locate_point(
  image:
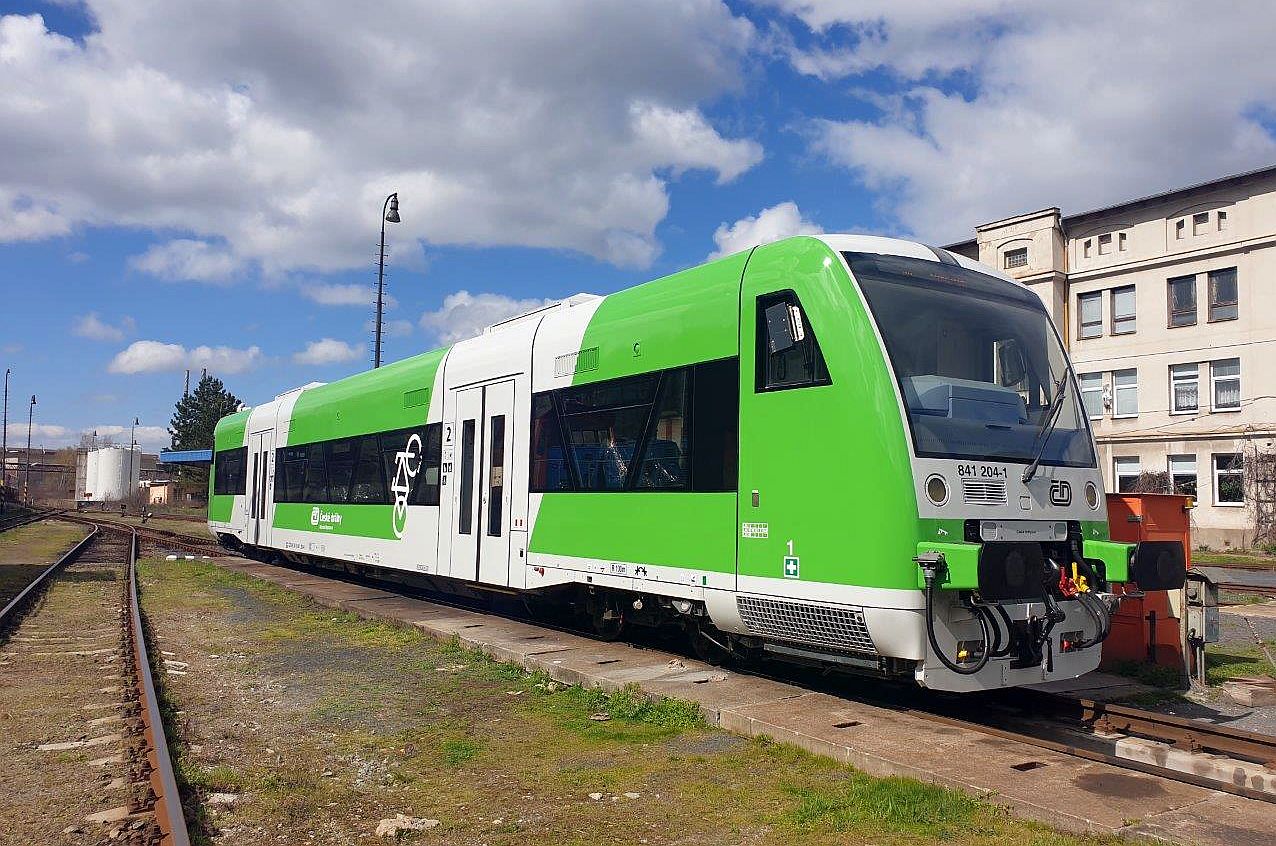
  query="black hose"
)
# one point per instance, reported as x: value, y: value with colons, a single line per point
x: 934, y: 644
x: 1009, y: 646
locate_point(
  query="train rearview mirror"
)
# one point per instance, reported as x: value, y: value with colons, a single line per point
x: 1010, y: 364
x: 783, y: 327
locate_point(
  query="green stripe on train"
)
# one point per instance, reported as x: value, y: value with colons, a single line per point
x: 365, y: 521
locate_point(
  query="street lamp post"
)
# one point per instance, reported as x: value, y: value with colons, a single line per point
x: 4, y: 442
x: 26, y: 483
x: 390, y: 213
x: 132, y: 446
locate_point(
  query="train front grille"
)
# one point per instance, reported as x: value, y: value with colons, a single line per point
x: 983, y: 491
x: 817, y: 625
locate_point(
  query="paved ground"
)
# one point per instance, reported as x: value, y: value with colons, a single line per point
x: 1061, y: 790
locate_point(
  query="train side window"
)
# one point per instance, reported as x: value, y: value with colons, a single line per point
x: 290, y: 474
x: 605, y: 422
x: 549, y: 460
x: 715, y: 413
x: 666, y: 451
x: 340, y: 458
x: 229, y: 472
x: 315, y: 486
x: 425, y: 487
x: 788, y: 354
x: 367, y: 486
x: 496, y: 476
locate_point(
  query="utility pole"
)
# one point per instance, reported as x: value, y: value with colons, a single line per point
x: 132, y: 444
x: 27, y: 480
x: 389, y: 213
x: 4, y: 442
x: 186, y: 391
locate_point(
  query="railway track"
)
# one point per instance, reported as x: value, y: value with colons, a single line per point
x: 1053, y: 719
x: 174, y: 540
x: 84, y: 731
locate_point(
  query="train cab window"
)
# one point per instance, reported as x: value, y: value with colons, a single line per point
x: 367, y: 485
x: 788, y: 354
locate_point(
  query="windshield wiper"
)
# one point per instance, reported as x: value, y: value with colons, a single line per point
x: 1047, y: 426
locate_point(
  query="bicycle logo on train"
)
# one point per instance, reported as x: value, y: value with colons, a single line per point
x: 407, y: 463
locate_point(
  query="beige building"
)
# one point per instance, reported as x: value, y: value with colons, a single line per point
x: 1168, y: 307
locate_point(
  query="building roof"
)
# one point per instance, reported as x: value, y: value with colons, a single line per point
x: 1073, y: 219
x: 186, y: 456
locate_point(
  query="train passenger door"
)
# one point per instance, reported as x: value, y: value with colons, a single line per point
x: 481, y: 498
x: 261, y: 482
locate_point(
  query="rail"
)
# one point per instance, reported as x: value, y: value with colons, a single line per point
x: 168, y: 802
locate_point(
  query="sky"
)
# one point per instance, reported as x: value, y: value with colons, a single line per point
x: 199, y: 185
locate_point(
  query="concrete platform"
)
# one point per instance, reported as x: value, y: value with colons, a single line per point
x: 1067, y: 792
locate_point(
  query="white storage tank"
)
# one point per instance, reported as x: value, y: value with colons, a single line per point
x: 112, y: 474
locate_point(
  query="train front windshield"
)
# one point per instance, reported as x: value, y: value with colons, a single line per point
x: 977, y: 362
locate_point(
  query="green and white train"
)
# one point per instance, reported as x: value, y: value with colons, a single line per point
x: 849, y: 450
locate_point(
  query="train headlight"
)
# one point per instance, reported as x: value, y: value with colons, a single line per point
x: 936, y: 489
x: 1091, y: 496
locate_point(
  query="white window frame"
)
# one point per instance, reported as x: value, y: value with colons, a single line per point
x: 1214, y: 457
x: 1117, y: 475
x: 1195, y: 473
x: 1116, y: 393
x: 1214, y: 380
x: 1008, y: 264
x: 1175, y: 380
x: 1094, y: 389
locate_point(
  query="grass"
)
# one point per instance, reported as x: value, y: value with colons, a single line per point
x: 1166, y: 678
x: 326, y: 722
x: 39, y: 543
x: 1230, y: 661
x: 1224, y: 558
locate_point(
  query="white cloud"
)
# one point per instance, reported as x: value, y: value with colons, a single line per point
x: 95, y: 329
x: 1003, y: 107
x: 782, y: 220
x: 40, y: 433
x: 188, y: 260
x: 464, y: 315
x: 159, y: 357
x: 278, y: 134
x: 360, y: 295
x: 148, y: 437
x: 328, y: 351
x: 398, y: 328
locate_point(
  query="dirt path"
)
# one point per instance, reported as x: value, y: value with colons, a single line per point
x: 302, y: 725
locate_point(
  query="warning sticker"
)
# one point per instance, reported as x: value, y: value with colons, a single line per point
x: 753, y: 530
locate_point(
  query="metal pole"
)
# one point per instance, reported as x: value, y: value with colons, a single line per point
x: 4, y: 442
x: 376, y: 356
x: 132, y: 442
x: 27, y: 479
x: 389, y: 212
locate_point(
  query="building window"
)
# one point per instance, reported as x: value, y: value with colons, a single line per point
x: 1090, y: 315
x: 1085, y: 249
x: 1222, y: 221
x: 1121, y: 242
x: 1105, y: 244
x: 1182, y: 295
x: 1200, y: 223
x: 1123, y: 310
x: 1126, y: 469
x: 1092, y: 394
x: 1185, y: 388
x: 1225, y: 382
x: 1183, y: 475
x: 1017, y: 257
x: 1125, y: 391
x: 1223, y: 299
x: 1180, y: 228
x: 1229, y: 479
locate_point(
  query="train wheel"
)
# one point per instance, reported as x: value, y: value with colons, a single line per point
x: 606, y: 623
x: 705, y: 646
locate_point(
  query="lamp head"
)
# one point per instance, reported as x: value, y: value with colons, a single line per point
x: 392, y: 216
